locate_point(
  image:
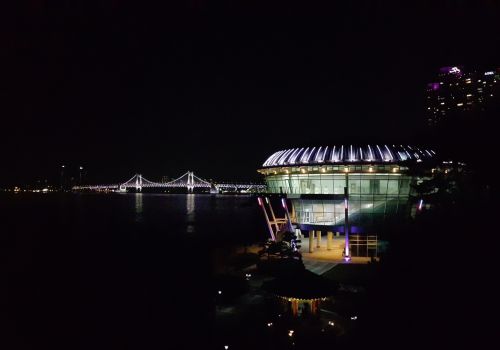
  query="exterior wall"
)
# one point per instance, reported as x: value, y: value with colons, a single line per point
x: 363, y: 210
x: 318, y: 199
x: 359, y: 184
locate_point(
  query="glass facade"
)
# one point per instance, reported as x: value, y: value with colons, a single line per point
x: 375, y: 192
x: 359, y: 184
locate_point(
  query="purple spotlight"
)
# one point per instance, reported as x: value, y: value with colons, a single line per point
x: 433, y: 86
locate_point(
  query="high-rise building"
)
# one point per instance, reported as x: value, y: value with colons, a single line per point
x: 458, y: 93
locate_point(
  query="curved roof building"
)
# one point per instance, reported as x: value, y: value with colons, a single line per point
x: 348, y: 154
x: 378, y: 178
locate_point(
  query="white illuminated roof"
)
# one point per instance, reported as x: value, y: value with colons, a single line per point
x: 348, y: 154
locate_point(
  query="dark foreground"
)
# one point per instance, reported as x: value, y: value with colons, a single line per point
x: 107, y: 273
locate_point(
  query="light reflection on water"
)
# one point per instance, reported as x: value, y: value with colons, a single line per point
x: 138, y: 207
x: 217, y: 218
x: 92, y: 252
x: 190, y: 212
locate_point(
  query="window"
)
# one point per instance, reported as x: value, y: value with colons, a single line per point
x: 365, y: 186
x: 327, y: 184
x: 375, y: 186
x: 338, y: 185
x: 392, y: 187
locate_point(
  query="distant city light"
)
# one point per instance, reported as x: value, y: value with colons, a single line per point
x: 489, y: 73
x: 354, y: 318
x: 454, y: 70
x: 220, y: 292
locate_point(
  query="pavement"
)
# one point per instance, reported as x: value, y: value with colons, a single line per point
x: 321, y: 254
x: 318, y: 267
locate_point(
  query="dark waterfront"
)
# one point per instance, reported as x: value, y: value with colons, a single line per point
x: 124, y: 271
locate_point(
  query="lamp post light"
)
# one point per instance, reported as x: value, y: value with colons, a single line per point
x: 81, y: 175
x: 347, y: 255
x: 62, y: 177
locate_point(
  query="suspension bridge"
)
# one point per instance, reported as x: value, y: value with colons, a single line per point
x: 188, y: 180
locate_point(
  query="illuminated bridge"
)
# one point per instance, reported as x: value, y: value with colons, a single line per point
x: 189, y: 181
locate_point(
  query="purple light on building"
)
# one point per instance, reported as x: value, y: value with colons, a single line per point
x: 451, y: 70
x: 433, y: 86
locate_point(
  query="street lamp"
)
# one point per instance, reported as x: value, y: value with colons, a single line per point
x: 347, y: 255
x: 81, y: 172
x: 62, y: 177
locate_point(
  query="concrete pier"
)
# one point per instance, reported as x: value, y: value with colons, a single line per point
x: 318, y: 239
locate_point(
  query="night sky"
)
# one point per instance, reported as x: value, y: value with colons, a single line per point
x: 123, y: 87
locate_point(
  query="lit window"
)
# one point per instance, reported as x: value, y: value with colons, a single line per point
x: 460, y: 104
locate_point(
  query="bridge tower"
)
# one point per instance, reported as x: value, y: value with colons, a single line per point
x: 138, y: 182
x: 190, y: 181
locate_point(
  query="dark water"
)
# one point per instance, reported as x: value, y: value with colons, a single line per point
x: 124, y: 271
